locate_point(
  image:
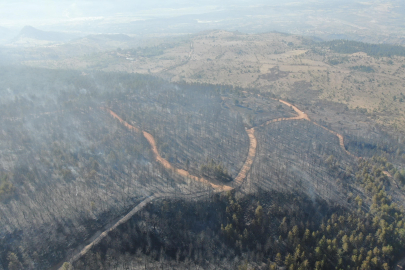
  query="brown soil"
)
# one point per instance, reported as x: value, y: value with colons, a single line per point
x: 249, y: 160
x: 121, y: 120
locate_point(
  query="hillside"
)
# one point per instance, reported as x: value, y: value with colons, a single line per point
x: 216, y: 150
x: 79, y: 151
x: 312, y: 74
x: 30, y: 36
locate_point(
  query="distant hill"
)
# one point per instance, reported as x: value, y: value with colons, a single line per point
x: 31, y: 33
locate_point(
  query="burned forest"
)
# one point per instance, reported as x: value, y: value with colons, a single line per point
x: 127, y: 171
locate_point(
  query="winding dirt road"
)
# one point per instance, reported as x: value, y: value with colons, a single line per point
x: 217, y: 186
x: 302, y: 115
x: 166, y: 163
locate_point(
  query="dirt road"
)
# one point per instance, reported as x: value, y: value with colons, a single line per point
x: 166, y: 163
x: 169, y: 166
x: 113, y: 114
x: 124, y: 219
x: 253, y: 143
x: 121, y: 221
x: 303, y: 115
x: 181, y: 172
x: 341, y: 139
x: 237, y: 181
x: 249, y: 159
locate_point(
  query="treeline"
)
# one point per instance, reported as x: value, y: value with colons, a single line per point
x: 378, y: 50
x: 216, y: 171
x: 376, y: 142
x: 267, y: 229
x: 225, y: 231
x: 367, y: 69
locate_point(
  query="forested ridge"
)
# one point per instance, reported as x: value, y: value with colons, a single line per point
x: 378, y: 50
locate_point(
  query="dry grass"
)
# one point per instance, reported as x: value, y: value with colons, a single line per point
x: 269, y: 62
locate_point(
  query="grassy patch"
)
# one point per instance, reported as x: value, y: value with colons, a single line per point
x: 362, y: 68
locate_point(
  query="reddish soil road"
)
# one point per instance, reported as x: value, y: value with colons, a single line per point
x: 249, y: 160
x: 166, y: 163
x: 217, y: 186
x: 302, y: 115
x: 239, y: 178
x: 181, y: 172
x: 121, y: 121
x: 341, y: 139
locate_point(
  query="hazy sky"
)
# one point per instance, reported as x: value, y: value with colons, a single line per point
x: 307, y: 17
x: 14, y: 14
